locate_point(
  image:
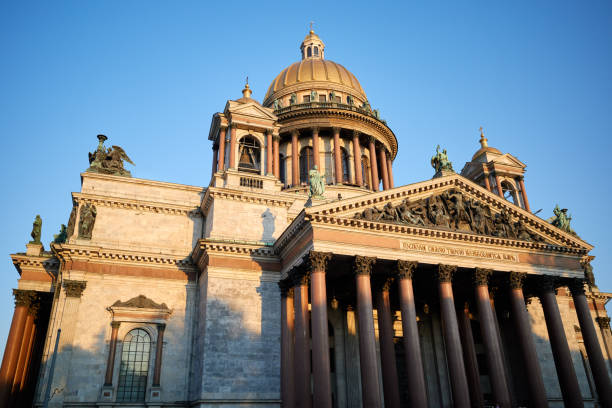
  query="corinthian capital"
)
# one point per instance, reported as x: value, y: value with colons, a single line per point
x: 405, y: 269
x: 481, y: 276
x: 604, y: 322
x: 517, y: 279
x: 300, y: 275
x: 74, y: 288
x: 547, y: 283
x: 576, y: 286
x: 318, y: 260
x: 445, y: 272
x: 24, y: 297
x: 363, y: 265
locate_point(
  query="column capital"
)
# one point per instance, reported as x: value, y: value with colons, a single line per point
x: 576, y: 286
x: 315, y: 129
x: 74, y: 288
x: 372, y: 139
x: 385, y: 285
x: 356, y: 133
x: 276, y: 137
x: 300, y: 275
x: 318, y: 260
x: 286, y: 287
x: 445, y: 272
x: 547, y: 283
x: 295, y: 132
x: 405, y: 269
x: 517, y: 279
x: 604, y: 322
x: 481, y: 276
x: 24, y: 297
x: 161, y: 327
x: 363, y: 265
x: 520, y: 178
x: 115, y: 324
x: 336, y: 129
x: 233, y: 126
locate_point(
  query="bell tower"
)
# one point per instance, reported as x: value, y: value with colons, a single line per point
x: 500, y: 173
x: 312, y: 46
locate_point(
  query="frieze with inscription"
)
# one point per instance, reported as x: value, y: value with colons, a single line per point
x: 451, y: 210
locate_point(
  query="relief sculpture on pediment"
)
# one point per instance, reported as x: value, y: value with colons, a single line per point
x: 454, y: 211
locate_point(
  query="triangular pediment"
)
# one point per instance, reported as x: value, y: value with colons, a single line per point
x: 509, y: 160
x: 252, y: 109
x: 453, y: 204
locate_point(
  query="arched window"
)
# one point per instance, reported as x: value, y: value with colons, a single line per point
x: 134, y: 366
x: 306, y: 163
x: 282, y: 171
x: 345, y: 166
x: 365, y: 171
x: 309, y: 53
x: 316, y: 51
x: 249, y: 154
x: 509, y: 192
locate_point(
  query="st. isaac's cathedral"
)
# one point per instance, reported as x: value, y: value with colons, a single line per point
x: 301, y: 276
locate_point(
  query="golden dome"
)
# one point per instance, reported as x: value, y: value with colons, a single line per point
x: 316, y: 73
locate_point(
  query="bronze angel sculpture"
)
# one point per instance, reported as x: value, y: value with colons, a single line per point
x: 108, y: 161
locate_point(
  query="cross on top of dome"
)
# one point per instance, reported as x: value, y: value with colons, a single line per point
x: 312, y: 46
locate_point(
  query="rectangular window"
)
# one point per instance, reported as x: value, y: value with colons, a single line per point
x: 322, y: 98
x: 337, y: 99
x: 306, y: 98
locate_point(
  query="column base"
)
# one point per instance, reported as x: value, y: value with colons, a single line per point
x: 107, y: 394
x: 155, y: 394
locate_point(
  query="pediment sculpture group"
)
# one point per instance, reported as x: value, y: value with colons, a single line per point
x: 451, y: 210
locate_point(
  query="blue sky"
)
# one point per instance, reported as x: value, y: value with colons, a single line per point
x: 535, y: 75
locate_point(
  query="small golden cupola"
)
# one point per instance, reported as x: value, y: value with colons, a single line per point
x: 312, y: 46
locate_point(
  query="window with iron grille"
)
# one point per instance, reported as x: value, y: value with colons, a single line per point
x: 134, y: 366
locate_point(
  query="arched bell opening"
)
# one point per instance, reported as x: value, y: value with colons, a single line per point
x: 249, y: 154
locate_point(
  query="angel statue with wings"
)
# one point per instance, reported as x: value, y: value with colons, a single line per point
x: 108, y: 161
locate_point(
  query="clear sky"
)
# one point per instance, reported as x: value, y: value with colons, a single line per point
x: 536, y: 75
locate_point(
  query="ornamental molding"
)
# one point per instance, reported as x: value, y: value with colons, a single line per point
x: 253, y: 251
x: 74, y: 252
x: 139, y: 308
x: 46, y: 264
x: 136, y: 205
x: 284, y: 201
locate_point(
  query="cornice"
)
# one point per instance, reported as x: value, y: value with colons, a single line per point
x: 290, y: 232
x: 206, y: 247
x: 22, y: 261
x: 75, y: 252
x: 238, y: 195
x: 151, y: 183
x: 310, y: 112
x: 136, y: 205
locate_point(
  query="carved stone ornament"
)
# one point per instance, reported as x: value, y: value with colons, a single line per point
x: 87, y: 220
x: 115, y: 324
x: 318, y: 260
x: 481, y: 276
x: 300, y: 275
x: 517, y: 279
x: 74, y: 288
x: 286, y: 287
x: 604, y: 322
x: 548, y: 284
x: 24, y: 297
x: 405, y: 269
x: 363, y: 265
x: 576, y: 286
x: 386, y: 284
x: 140, y: 302
x: 445, y: 273
x: 451, y: 210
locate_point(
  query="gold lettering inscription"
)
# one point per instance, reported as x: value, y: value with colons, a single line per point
x: 474, y: 253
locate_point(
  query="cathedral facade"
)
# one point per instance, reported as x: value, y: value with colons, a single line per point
x: 301, y: 276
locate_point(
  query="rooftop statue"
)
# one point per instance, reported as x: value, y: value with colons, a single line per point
x: 108, y: 161
x: 62, y: 236
x: 440, y: 161
x: 561, y: 220
x: 316, y: 182
x: 36, y: 230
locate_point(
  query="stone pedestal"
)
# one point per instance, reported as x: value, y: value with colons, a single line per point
x: 34, y: 249
x: 107, y: 395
